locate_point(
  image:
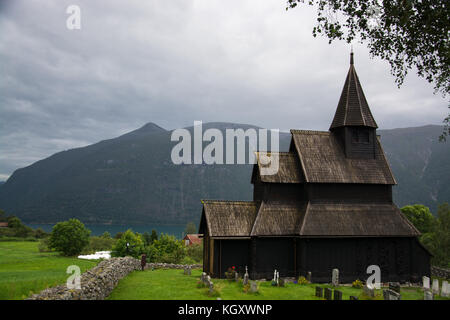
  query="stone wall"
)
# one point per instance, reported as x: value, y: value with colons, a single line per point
x: 98, y: 282
x: 440, y: 272
x: 159, y: 265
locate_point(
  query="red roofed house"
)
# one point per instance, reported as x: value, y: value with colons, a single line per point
x: 191, y: 239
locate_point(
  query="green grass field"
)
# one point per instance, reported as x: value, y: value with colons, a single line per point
x: 174, y: 285
x: 24, y: 270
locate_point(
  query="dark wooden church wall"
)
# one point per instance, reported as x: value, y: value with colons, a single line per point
x: 352, y: 192
x: 232, y: 253
x: 275, y: 253
x: 279, y: 191
x: 352, y: 256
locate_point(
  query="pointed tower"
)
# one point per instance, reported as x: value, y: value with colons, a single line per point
x: 353, y: 123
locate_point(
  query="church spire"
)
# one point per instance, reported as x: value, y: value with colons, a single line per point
x: 353, y: 109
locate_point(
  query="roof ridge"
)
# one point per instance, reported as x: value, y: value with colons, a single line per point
x: 309, y: 131
x: 229, y: 201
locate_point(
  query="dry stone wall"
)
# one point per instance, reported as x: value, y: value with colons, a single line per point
x: 440, y: 272
x: 98, y: 282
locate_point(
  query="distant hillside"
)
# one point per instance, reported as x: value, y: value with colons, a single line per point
x: 131, y: 179
x: 420, y: 164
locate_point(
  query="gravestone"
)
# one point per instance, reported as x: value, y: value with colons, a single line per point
x: 435, y: 288
x: 337, y: 295
x: 245, y: 280
x: 391, y: 295
x: 445, y: 290
x: 253, y: 287
x: 319, y: 292
x: 309, y: 276
x: 211, y: 286
x: 236, y: 276
x: 353, y: 298
x: 203, y: 278
x: 426, y: 283
x: 369, y: 291
x: 335, y: 278
x: 394, y: 286
x: 281, y: 282
x: 427, y: 295
x: 275, y: 280
x: 328, y: 293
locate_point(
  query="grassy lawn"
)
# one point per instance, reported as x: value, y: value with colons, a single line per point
x: 174, y: 285
x: 24, y: 270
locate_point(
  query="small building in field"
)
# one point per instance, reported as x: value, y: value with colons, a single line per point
x: 191, y: 239
x: 328, y: 206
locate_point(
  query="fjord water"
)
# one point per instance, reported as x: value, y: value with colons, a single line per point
x: 99, y: 229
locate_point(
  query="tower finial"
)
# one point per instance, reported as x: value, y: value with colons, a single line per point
x: 351, y: 55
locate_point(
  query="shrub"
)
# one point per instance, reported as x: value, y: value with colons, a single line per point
x: 357, y: 284
x: 69, y: 237
x: 230, y: 273
x: 302, y: 280
x: 195, y: 252
x: 166, y: 249
x: 99, y: 244
x: 129, y: 244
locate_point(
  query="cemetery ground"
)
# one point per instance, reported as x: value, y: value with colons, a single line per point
x: 25, y: 270
x: 172, y: 284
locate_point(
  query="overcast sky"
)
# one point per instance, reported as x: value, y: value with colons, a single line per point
x: 173, y: 62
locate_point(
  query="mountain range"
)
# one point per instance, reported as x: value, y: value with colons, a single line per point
x: 132, y: 180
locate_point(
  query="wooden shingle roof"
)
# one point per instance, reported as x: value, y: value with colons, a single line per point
x: 228, y: 218
x: 289, y: 170
x: 281, y: 219
x: 323, y: 160
x: 353, y: 109
x: 366, y: 220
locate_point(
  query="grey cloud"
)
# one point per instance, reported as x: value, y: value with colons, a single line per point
x: 173, y: 62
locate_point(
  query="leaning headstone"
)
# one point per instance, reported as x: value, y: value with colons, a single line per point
x: 253, y: 287
x: 391, y: 295
x: 426, y: 282
x: 309, y: 276
x: 353, y: 298
x: 328, y: 293
x: 435, y: 287
x: 189, y: 271
x: 335, y: 278
x: 427, y: 295
x: 319, y: 292
x: 369, y: 291
x: 337, y: 295
x: 394, y: 286
x: 445, y: 289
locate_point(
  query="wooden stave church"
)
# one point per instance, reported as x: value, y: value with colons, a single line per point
x: 329, y: 206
